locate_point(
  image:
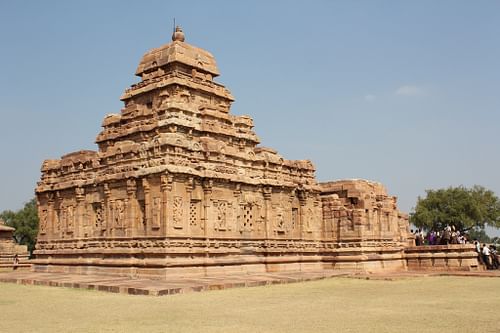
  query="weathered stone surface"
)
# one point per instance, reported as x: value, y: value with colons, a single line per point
x: 180, y: 186
x: 9, y: 248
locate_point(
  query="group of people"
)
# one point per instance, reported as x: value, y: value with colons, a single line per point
x: 487, y: 255
x: 443, y: 237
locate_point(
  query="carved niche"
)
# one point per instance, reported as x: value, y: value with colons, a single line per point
x: 70, y: 218
x: 156, y: 212
x: 118, y: 209
x: 57, y: 220
x: 295, y: 217
x: 222, y: 208
x: 43, y: 221
x: 280, y: 219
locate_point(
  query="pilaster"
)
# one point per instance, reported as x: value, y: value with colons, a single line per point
x: 80, y: 212
x: 207, y: 197
x: 131, y: 227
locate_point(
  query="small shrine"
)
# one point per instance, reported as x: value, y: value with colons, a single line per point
x: 9, y: 248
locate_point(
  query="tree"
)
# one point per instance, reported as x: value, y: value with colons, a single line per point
x: 25, y: 221
x: 462, y: 207
x: 480, y: 235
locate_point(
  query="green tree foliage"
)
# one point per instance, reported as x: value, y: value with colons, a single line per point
x: 465, y: 208
x: 25, y: 221
x: 480, y: 235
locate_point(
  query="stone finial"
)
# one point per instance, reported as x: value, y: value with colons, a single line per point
x: 178, y: 35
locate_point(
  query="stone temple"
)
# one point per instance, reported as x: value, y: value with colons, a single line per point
x: 179, y: 185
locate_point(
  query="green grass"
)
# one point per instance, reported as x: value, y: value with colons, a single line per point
x: 433, y: 304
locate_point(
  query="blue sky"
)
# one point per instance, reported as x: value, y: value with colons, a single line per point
x: 405, y: 93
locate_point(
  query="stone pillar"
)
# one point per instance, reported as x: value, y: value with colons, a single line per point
x: 108, y: 220
x: 189, y: 192
x: 147, y: 205
x: 378, y: 221
x: 267, y: 192
x: 302, y: 194
x: 207, y: 196
x: 80, y: 211
x: 237, y: 206
x: 369, y: 221
x: 166, y: 181
x: 50, y: 215
x: 59, y: 224
x: 131, y: 227
x: 42, y: 218
x: 293, y: 217
x: 318, y: 225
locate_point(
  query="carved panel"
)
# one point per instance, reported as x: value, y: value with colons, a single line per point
x: 62, y: 218
x: 142, y: 212
x: 156, y: 212
x: 295, y: 217
x: 177, y: 210
x: 43, y: 221
x: 280, y: 219
x: 118, y: 209
x: 57, y: 220
x: 70, y: 218
x: 309, y: 220
x: 221, y: 213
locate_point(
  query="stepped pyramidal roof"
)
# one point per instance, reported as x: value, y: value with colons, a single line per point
x: 177, y: 118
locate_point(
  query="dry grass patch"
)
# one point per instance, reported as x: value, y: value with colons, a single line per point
x: 437, y: 304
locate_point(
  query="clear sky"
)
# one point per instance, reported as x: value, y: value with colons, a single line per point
x: 405, y: 93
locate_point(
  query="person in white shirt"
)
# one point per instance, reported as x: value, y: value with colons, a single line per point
x: 486, y: 256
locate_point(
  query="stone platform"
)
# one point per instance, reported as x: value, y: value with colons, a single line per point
x: 189, y: 284
x: 161, y: 287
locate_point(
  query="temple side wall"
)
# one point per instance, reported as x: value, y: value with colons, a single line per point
x: 170, y: 205
x: 169, y: 224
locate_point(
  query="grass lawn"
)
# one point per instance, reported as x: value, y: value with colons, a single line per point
x: 433, y: 304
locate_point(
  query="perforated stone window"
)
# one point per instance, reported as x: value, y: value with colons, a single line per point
x: 194, y: 215
x: 248, y: 216
x: 97, y: 212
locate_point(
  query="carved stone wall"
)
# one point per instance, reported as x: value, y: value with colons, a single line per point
x: 362, y: 210
x: 179, y: 184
